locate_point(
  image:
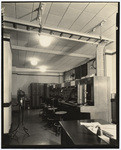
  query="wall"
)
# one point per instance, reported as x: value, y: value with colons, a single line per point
x: 114, y: 73
x: 7, y: 85
x: 7, y: 72
x: 23, y: 81
x: 110, y: 71
x: 7, y: 119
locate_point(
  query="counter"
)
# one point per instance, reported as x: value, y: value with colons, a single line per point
x: 75, y: 135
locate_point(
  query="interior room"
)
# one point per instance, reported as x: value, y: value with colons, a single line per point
x: 60, y: 72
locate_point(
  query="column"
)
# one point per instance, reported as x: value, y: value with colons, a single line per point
x: 100, y: 59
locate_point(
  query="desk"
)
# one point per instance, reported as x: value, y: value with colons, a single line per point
x: 75, y: 135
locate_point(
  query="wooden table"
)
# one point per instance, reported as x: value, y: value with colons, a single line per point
x: 75, y: 135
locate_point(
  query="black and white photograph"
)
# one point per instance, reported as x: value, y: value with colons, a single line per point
x: 60, y: 74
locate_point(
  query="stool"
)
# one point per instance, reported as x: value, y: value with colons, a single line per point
x: 60, y: 114
x: 58, y: 128
x: 50, y: 122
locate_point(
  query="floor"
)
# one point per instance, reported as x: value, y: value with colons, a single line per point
x: 40, y: 133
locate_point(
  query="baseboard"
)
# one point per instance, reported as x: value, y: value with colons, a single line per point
x: 5, y: 140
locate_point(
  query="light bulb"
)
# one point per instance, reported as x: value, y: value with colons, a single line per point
x: 43, y: 68
x: 45, y: 41
x: 34, y: 61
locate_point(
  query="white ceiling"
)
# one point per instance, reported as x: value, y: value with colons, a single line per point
x: 70, y: 16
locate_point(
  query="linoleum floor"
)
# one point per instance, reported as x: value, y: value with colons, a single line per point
x: 40, y: 133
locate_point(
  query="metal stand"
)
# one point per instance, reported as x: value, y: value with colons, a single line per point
x: 20, y: 128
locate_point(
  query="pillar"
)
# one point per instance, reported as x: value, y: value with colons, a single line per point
x: 100, y: 59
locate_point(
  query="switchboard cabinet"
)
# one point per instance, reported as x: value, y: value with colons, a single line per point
x: 81, y: 71
x: 86, y: 95
x: 94, y: 95
x: 38, y: 93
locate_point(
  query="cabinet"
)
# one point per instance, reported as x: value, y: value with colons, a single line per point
x: 87, y: 91
x: 114, y: 110
x: 81, y: 71
x: 38, y: 93
x: 94, y: 94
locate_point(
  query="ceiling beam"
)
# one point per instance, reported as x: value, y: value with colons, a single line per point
x: 85, y: 35
x: 36, y: 71
x: 14, y: 47
x: 20, y: 22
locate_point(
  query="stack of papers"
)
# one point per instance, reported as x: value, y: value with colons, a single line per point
x: 90, y: 123
x: 92, y: 126
x: 108, y: 130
